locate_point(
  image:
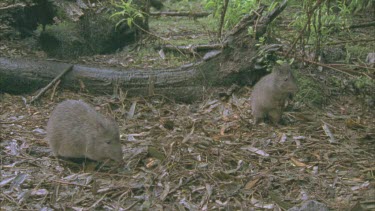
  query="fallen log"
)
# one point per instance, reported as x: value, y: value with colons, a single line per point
x: 54, y: 81
x: 236, y: 63
x: 25, y: 75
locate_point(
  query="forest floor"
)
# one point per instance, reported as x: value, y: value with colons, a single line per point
x: 207, y: 155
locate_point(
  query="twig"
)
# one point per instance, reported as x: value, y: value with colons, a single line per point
x: 324, y: 65
x: 193, y: 49
x: 351, y: 41
x: 132, y: 205
x: 363, y: 25
x: 162, y: 96
x: 189, y: 14
x: 51, y: 83
x: 93, y: 206
x: 309, y: 15
x: 9, y: 198
x: 189, y: 179
x: 151, y: 85
x: 222, y: 17
x: 69, y: 183
x: 54, y: 89
x: 12, y: 6
x: 14, y: 122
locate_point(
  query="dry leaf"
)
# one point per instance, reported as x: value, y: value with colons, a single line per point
x: 251, y: 184
x: 297, y: 162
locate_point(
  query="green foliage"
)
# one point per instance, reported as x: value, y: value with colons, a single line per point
x: 354, y: 50
x: 250, y: 31
x: 328, y: 18
x: 236, y: 9
x: 363, y: 87
x: 310, y: 92
x: 185, y: 5
x: 329, y: 21
x: 362, y: 82
x: 129, y: 12
x: 359, y: 5
x: 266, y: 55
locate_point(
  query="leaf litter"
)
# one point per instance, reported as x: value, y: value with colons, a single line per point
x: 202, y: 156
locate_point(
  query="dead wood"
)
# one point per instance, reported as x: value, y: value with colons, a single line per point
x: 234, y: 64
x: 25, y: 75
x: 189, y: 14
x: 12, y: 6
x: 222, y: 17
x: 192, y: 49
x: 363, y: 25
x: 353, y: 26
x: 51, y: 84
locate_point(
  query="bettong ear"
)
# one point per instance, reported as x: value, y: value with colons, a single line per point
x: 284, y: 69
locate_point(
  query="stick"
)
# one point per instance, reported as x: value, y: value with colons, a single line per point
x: 54, y: 89
x: 189, y: 14
x: 51, y: 83
x: 192, y: 49
x: 222, y: 17
x: 12, y: 6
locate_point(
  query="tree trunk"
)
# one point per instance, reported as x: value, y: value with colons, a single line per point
x: 234, y: 64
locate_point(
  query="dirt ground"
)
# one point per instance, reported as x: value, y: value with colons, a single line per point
x: 202, y: 156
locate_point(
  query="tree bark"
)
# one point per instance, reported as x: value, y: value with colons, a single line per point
x: 25, y: 75
x: 235, y: 63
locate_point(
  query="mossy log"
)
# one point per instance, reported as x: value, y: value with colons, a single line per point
x: 235, y: 63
